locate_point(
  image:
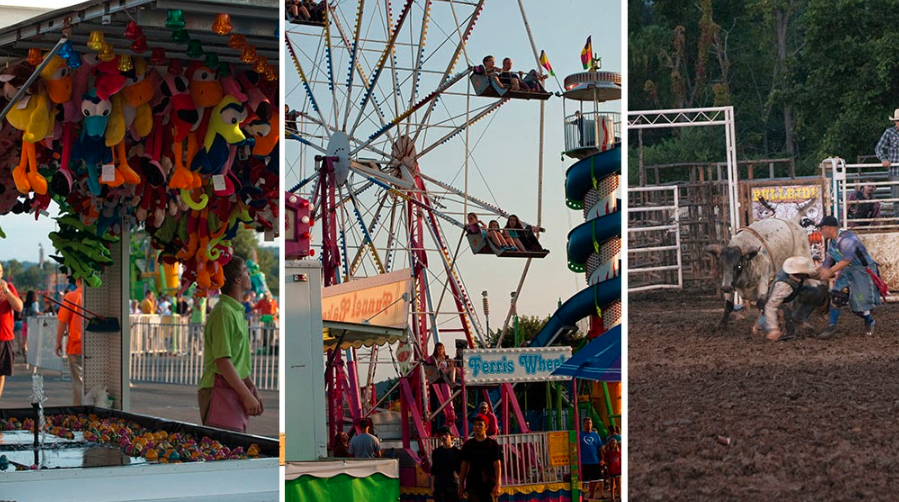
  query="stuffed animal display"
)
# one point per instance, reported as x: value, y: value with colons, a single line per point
x: 187, y: 151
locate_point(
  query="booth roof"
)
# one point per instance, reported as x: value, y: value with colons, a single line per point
x: 358, y: 335
x: 357, y: 468
x: 257, y: 20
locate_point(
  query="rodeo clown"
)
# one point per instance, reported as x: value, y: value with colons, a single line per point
x: 858, y: 284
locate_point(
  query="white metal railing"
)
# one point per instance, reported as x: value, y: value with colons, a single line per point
x: 173, y: 353
x: 170, y: 352
x: 846, y: 178
x: 600, y: 130
x: 670, y: 215
x: 525, y: 459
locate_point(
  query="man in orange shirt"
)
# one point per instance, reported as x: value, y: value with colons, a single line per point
x: 73, y: 323
x: 9, y: 303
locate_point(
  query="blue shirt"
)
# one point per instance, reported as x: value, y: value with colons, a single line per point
x: 844, y: 248
x: 590, y: 445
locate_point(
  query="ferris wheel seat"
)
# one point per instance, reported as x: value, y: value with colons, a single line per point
x: 305, y: 22
x: 480, y: 244
x: 487, y: 87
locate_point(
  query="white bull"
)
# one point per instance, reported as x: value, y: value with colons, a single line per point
x: 755, y: 255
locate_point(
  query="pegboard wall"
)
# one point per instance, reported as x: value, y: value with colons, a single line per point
x: 106, y: 355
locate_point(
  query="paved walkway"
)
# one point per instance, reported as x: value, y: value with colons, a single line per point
x: 170, y: 401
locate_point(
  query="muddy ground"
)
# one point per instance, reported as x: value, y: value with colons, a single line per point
x: 807, y: 419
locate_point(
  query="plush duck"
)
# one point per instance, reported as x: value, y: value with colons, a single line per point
x: 33, y: 116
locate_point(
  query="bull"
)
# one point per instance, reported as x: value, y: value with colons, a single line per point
x: 754, y: 255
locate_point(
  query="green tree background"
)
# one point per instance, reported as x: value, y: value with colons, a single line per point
x: 808, y: 79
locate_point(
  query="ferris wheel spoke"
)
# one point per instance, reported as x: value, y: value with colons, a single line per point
x: 416, y: 74
x: 305, y: 82
x: 460, y: 128
x: 351, y: 138
x: 428, y: 99
x: 297, y: 137
x: 376, y: 74
x: 355, y: 66
x: 354, y: 51
x: 453, y: 59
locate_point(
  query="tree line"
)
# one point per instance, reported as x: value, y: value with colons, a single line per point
x: 808, y: 79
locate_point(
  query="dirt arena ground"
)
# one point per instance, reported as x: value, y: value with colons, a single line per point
x: 807, y: 419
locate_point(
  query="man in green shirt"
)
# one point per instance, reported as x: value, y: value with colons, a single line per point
x: 226, y: 344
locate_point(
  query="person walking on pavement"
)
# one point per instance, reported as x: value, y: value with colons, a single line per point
x: 784, y: 289
x: 9, y: 304
x: 855, y: 286
x: 71, y: 322
x: 887, y: 151
x: 446, y: 460
x: 482, y: 470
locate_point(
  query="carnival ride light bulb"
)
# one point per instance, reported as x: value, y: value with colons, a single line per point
x: 248, y: 55
x: 195, y: 49
x: 222, y: 24
x: 211, y: 60
x: 34, y: 57
x: 157, y: 57
x: 133, y: 31
x: 223, y: 70
x: 271, y: 73
x: 125, y: 63
x: 139, y: 46
x: 237, y: 42
x: 96, y: 42
x: 174, y: 20
x: 106, y: 53
x: 261, y: 63
x: 305, y: 220
x: 180, y: 37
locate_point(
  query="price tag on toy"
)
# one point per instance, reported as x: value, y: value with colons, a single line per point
x: 243, y: 153
x: 108, y: 174
x: 269, y: 235
x: 218, y: 182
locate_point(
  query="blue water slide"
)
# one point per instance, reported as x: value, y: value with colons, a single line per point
x: 582, y: 239
x: 582, y: 174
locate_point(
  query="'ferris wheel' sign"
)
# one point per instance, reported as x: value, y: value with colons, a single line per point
x: 523, y: 364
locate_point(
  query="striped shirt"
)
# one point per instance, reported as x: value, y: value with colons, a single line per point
x: 888, y: 149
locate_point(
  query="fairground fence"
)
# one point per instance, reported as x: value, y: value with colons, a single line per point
x: 164, y: 349
x: 526, y: 459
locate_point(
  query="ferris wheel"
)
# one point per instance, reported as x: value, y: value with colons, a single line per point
x: 384, y: 89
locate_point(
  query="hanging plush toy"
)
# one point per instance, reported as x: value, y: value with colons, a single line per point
x: 34, y: 116
x: 91, y: 145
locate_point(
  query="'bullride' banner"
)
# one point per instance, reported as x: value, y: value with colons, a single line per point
x: 523, y: 364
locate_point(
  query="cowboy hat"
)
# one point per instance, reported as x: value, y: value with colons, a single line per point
x: 895, y: 116
x: 799, y: 265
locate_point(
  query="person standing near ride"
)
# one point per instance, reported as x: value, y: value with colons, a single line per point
x: 29, y: 309
x: 612, y: 458
x: 70, y: 320
x: 446, y: 460
x: 485, y: 411
x: 482, y: 469
x: 365, y: 444
x: 855, y: 286
x: 867, y: 208
x: 226, y: 345
x: 9, y: 304
x: 591, y: 450
x: 784, y: 289
x: 887, y: 151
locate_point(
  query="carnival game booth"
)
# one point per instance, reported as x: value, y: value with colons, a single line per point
x: 153, y: 114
